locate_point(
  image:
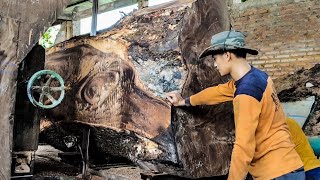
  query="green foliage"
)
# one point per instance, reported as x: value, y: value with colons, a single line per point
x: 48, y: 38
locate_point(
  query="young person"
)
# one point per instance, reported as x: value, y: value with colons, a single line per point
x: 262, y: 144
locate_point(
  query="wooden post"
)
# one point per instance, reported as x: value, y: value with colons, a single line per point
x: 65, y: 32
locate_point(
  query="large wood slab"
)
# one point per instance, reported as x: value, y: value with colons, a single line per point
x: 118, y: 82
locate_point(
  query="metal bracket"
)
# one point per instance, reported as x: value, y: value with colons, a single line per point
x: 84, y: 151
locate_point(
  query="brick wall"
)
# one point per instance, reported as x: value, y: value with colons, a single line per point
x: 286, y: 33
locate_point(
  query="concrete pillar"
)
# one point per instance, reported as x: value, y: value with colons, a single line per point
x: 143, y: 4
x: 76, y: 27
x: 236, y: 1
x: 65, y: 32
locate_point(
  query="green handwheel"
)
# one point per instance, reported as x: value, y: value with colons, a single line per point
x: 46, y: 89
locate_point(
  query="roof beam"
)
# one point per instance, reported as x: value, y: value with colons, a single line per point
x: 83, y: 9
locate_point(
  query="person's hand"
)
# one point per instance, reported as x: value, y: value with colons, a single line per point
x: 175, y: 98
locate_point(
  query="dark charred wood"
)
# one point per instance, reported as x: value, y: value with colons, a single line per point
x: 118, y: 81
x: 203, y: 134
x: 105, y: 94
x: 27, y: 117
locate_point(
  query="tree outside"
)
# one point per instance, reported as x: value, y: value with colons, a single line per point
x: 48, y: 38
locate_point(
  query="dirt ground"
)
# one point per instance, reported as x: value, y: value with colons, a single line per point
x: 298, y: 86
x: 49, y: 166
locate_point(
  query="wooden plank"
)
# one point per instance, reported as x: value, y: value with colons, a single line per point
x: 8, y: 70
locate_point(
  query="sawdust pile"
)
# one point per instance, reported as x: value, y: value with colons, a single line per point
x: 300, y: 85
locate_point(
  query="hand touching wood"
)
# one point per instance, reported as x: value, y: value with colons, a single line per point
x: 175, y: 98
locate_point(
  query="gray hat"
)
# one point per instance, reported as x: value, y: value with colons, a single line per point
x: 227, y: 40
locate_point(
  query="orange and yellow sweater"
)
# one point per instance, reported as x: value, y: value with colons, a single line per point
x: 262, y: 144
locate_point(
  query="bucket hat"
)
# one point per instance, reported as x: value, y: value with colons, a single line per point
x: 227, y: 40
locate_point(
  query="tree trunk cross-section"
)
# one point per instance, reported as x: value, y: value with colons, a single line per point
x: 118, y: 82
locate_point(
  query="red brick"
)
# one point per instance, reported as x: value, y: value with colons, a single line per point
x: 288, y: 60
x: 274, y: 61
x: 262, y: 57
x: 282, y: 56
x: 287, y: 51
x: 267, y: 48
x: 298, y: 54
x: 285, y: 33
x: 258, y: 62
x: 313, y: 53
x: 272, y: 52
x: 268, y: 65
x: 284, y: 64
x: 308, y: 58
x: 305, y: 49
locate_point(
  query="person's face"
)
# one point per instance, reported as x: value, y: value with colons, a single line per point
x: 222, y: 63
